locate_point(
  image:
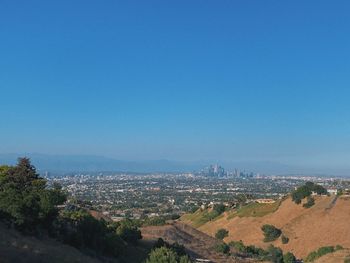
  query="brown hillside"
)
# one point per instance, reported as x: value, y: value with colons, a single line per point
x: 326, y: 223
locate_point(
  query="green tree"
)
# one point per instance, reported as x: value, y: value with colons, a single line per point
x: 163, y: 255
x: 128, y: 231
x: 275, y: 254
x: 221, y: 234
x: 284, y: 239
x: 219, y: 208
x: 271, y: 233
x: 222, y: 248
x: 289, y: 258
x: 310, y: 202
x: 25, y: 199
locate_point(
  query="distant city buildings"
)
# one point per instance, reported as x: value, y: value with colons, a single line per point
x: 214, y: 171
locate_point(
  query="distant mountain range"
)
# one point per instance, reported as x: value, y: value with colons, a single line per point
x: 91, y: 163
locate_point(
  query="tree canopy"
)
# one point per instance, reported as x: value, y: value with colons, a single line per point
x: 25, y: 199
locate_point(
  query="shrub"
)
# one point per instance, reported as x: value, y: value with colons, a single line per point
x: 275, y: 254
x: 221, y: 234
x: 166, y: 255
x: 289, y: 258
x: 249, y: 251
x: 285, y: 239
x: 155, y: 221
x: 83, y: 231
x: 319, y: 253
x: 271, y: 233
x: 161, y: 254
x: 222, y: 248
x: 128, y: 231
x: 338, y: 247
x: 310, y: 202
x: 219, y: 208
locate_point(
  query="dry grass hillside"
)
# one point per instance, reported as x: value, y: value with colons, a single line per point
x: 326, y: 223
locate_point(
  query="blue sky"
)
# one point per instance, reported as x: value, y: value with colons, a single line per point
x: 180, y: 80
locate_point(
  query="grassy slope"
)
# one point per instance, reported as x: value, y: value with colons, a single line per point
x: 308, y: 229
x: 255, y: 210
x: 199, y: 218
x: 336, y: 257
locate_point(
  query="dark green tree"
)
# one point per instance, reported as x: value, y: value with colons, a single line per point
x: 271, y: 233
x: 284, y: 239
x: 25, y: 199
x: 275, y: 254
x: 221, y: 234
x: 222, y: 248
x: 289, y: 258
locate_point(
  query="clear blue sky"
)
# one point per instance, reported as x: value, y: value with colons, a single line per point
x: 181, y: 80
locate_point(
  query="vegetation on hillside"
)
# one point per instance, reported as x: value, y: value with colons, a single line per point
x: 284, y: 239
x: 306, y: 190
x: 221, y: 234
x: 271, y: 233
x: 310, y: 201
x: 321, y: 252
x: 258, y: 210
x: 25, y: 200
x: 28, y: 204
x: 164, y: 252
x: 271, y: 254
x: 200, y: 217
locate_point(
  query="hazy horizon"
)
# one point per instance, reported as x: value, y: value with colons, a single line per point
x: 257, y: 82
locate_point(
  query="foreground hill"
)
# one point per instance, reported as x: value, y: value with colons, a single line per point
x: 14, y: 247
x: 325, y: 223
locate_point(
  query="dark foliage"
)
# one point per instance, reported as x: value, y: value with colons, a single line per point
x: 306, y: 190
x: 221, y: 234
x: 25, y: 200
x: 222, y: 248
x: 271, y: 233
x: 310, y: 202
x: 284, y: 239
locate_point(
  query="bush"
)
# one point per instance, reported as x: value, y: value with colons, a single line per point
x: 160, y: 255
x: 338, y: 247
x: 154, y: 221
x: 275, y: 254
x: 249, y: 251
x: 219, y: 208
x: 128, y: 231
x: 164, y: 253
x: 271, y: 233
x: 310, y: 202
x: 319, y: 253
x: 222, y: 248
x: 83, y: 231
x: 289, y: 258
x: 221, y: 234
x: 285, y: 239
